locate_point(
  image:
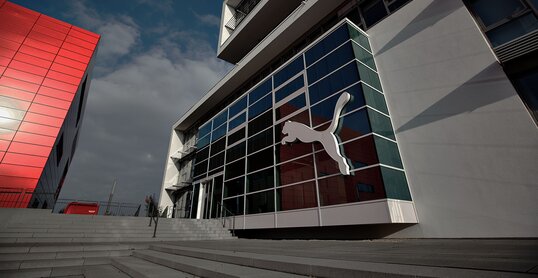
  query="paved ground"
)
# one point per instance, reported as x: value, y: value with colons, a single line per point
x: 511, y: 256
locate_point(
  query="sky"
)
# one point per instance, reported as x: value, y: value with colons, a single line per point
x: 155, y: 60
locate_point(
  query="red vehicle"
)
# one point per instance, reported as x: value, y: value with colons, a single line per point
x: 82, y: 208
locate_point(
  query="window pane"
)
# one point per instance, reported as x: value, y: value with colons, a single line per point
x: 381, y: 124
x: 513, y: 29
x: 235, y: 152
x: 324, y: 111
x: 301, y: 169
x: 395, y: 184
x: 291, y: 151
x: 374, y: 13
x: 235, y: 169
x: 287, y: 72
x: 262, y: 122
x: 200, y: 169
x: 290, y: 107
x: 201, y: 155
x: 235, y: 205
x: 260, y: 106
x: 334, y: 82
x: 260, y: 91
x: 361, y: 152
x: 397, y: 4
x: 261, y: 202
x: 220, y: 119
x: 202, y: 142
x: 527, y: 87
x: 374, y: 99
x: 387, y: 152
x: 364, y: 56
x: 234, y: 187
x: 493, y: 11
x: 260, y: 160
x: 330, y: 62
x: 219, y: 132
x: 218, y: 146
x: 260, y: 180
x: 236, y: 136
x: 216, y: 161
x: 369, y: 76
x: 354, y: 125
x: 327, y: 44
x: 359, y: 38
x: 204, y: 130
x: 296, y: 196
x: 260, y: 141
x: 238, y: 106
x: 289, y: 88
x: 237, y: 121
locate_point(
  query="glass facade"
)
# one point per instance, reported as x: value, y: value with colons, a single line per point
x: 242, y: 144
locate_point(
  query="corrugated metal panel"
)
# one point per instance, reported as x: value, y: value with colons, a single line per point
x: 518, y: 47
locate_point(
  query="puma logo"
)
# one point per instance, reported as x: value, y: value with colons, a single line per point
x: 297, y: 131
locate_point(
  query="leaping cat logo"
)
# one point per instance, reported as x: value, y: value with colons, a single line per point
x: 297, y: 131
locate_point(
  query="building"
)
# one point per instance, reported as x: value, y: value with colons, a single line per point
x: 45, y: 67
x: 440, y: 133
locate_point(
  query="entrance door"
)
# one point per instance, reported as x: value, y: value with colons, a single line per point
x: 207, y: 197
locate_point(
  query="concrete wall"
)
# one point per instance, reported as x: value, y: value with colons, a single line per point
x: 170, y: 170
x: 469, y: 146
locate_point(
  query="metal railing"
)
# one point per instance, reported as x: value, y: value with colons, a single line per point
x: 223, y: 215
x: 241, y: 11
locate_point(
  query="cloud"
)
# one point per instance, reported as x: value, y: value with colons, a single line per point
x: 207, y: 19
x: 161, y: 5
x: 129, y: 114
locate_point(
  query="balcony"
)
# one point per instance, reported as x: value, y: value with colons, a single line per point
x: 181, y: 155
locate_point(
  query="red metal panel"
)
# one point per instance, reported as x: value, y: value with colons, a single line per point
x: 17, y: 147
x: 24, y: 159
x: 67, y: 70
x: 49, y: 32
x: 32, y: 60
x: 40, y: 45
x: 8, y: 53
x: 51, y: 92
x: 44, y: 38
x: 85, y: 31
x: 70, y: 63
x: 17, y: 182
x: 83, y: 36
x: 15, y: 93
x: 4, y: 144
x: 18, y: 84
x: 20, y: 171
x: 74, y: 56
x: 79, y: 42
x: 35, y: 139
x: 42, y: 21
x: 6, y: 134
x: 77, y: 49
x: 47, y: 110
x: 9, y: 44
x: 54, y: 102
x: 63, y: 77
x: 8, y: 123
x: 37, y: 52
x: 28, y: 68
x: 43, y: 119
x: 59, y: 85
x: 39, y: 129
x: 18, y: 106
x: 20, y: 75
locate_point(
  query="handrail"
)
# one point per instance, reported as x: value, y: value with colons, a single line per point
x: 223, y: 219
x: 153, y: 217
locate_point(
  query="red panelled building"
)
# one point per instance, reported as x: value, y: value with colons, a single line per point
x: 44, y: 68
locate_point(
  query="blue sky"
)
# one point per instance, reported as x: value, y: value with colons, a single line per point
x: 155, y: 60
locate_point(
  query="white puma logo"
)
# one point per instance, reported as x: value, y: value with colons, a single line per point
x: 298, y: 131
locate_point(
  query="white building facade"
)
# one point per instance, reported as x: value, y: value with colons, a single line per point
x: 439, y: 134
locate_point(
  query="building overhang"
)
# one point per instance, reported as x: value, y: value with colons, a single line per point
x: 306, y: 16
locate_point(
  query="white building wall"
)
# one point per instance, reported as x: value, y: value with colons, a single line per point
x: 171, y: 173
x: 469, y: 146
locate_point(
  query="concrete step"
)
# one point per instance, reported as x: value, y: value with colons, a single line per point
x: 93, y: 271
x: 51, y: 263
x: 63, y: 255
x: 165, y: 233
x: 40, y: 248
x: 139, y: 268
x: 148, y: 238
x: 206, y: 268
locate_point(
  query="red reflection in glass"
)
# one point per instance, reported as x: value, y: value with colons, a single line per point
x: 297, y: 170
x: 297, y: 196
x: 291, y: 151
x: 365, y: 185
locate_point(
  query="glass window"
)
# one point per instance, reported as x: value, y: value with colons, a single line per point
x: 260, y: 91
x: 330, y: 42
x: 291, y: 151
x: 260, y: 141
x: 324, y: 111
x: 236, y: 136
x: 491, y: 12
x: 235, y: 152
x: 235, y: 205
x: 361, y: 152
x: 200, y: 169
x: 363, y: 56
x: 237, y: 121
x: 290, y: 107
x: 325, y: 165
x: 381, y: 124
x: 218, y: 146
x: 204, y: 130
x: 218, y: 170
x: 260, y: 180
x: 234, y: 187
x: 216, y: 161
x: 262, y: 122
x: 374, y: 99
x: 260, y: 106
x: 296, y: 196
x: 201, y: 155
x: 202, y: 142
x: 364, y: 185
x: 334, y: 82
x: 289, y: 88
x: 359, y: 38
x: 301, y: 169
x: 395, y: 184
x: 235, y: 169
x: 354, y: 125
x: 302, y: 117
x: 527, y: 86
x: 513, y: 29
x: 220, y: 119
x: 219, y: 132
x: 387, y: 151
x: 238, y: 106
x: 369, y: 76
x: 395, y: 4
x: 329, y: 63
x: 288, y: 71
x: 261, y: 202
x: 373, y: 11
x: 260, y: 160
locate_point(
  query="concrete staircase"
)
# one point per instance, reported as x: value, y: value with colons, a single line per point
x: 37, y: 243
